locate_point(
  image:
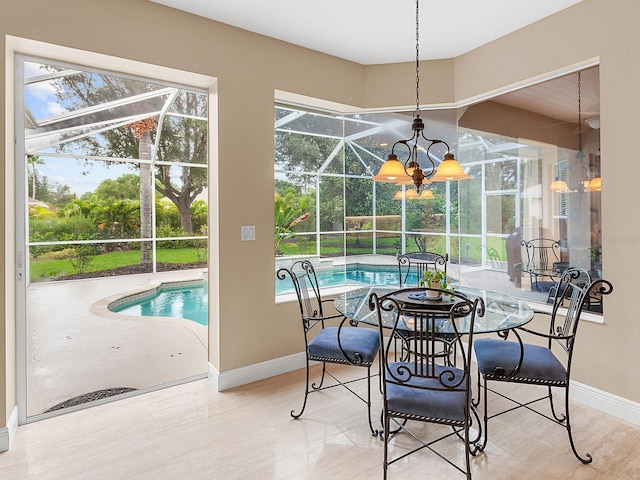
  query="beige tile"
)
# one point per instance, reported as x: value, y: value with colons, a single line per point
x: 193, y: 432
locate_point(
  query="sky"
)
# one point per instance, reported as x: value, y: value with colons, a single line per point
x: 80, y: 176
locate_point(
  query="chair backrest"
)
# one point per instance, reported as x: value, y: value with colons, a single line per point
x: 418, y: 263
x: 543, y: 252
x: 307, y: 288
x: 424, y: 365
x: 572, y: 294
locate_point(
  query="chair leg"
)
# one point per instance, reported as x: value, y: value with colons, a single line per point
x: 319, y: 386
x: 374, y: 432
x: 481, y: 445
x: 467, y: 448
x: 306, y: 393
x: 385, y: 434
x: 587, y: 458
x: 559, y: 418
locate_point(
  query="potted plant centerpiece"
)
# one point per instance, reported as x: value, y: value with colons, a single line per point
x: 433, y: 279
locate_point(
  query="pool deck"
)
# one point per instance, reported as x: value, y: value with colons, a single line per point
x: 75, y: 345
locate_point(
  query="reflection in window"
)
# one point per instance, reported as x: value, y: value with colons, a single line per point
x: 513, y: 202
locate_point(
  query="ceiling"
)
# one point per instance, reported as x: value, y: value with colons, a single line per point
x: 377, y: 31
x: 558, y: 98
x: 383, y: 31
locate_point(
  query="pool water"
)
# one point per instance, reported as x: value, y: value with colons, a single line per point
x: 190, y: 302
x: 353, y: 274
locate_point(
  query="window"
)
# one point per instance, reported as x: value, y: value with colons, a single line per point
x: 512, y: 146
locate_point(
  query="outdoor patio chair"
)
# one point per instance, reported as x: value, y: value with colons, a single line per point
x: 419, y: 262
x: 417, y: 388
x: 501, y: 360
x: 342, y: 344
x: 542, y: 256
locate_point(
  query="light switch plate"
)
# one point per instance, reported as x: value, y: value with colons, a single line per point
x: 247, y: 232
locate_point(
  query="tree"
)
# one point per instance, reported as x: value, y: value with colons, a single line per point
x: 288, y: 211
x: 142, y: 131
x: 125, y: 187
x: 34, y: 160
x: 54, y: 194
x: 183, y: 138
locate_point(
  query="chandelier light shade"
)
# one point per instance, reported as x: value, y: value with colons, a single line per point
x: 449, y: 170
x: 411, y: 194
x: 392, y: 171
x: 559, y: 186
x: 406, y: 195
x: 425, y: 195
x: 410, y: 172
x: 595, y: 185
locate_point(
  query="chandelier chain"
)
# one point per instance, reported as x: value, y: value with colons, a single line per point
x: 417, y: 58
x: 579, y: 113
x: 394, y: 171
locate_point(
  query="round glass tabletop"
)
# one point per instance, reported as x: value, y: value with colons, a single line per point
x: 502, y: 312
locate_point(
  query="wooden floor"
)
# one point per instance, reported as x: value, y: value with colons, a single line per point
x: 193, y: 432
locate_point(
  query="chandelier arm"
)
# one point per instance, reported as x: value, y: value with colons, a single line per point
x: 405, y: 143
x: 435, y: 141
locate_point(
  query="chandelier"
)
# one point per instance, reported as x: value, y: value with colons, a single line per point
x: 578, y: 177
x: 410, y: 172
x: 413, y: 195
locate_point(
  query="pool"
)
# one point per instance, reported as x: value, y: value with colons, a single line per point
x: 352, y: 274
x: 190, y: 302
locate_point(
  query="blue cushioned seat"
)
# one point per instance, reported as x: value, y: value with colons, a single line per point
x: 539, y: 365
x: 362, y: 343
x: 432, y: 400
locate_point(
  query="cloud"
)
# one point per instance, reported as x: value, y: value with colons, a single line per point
x: 41, y: 90
x: 55, y: 108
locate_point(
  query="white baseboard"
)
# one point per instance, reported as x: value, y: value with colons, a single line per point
x: 7, y: 433
x: 606, y: 402
x: 258, y: 371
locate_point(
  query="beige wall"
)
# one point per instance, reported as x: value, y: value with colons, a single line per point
x: 248, y: 69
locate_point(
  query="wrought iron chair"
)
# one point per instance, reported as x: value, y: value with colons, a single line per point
x: 411, y: 268
x: 345, y: 345
x: 515, y: 361
x: 420, y: 262
x: 542, y: 255
x: 417, y: 388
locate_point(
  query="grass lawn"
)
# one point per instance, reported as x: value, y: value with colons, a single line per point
x: 52, y: 268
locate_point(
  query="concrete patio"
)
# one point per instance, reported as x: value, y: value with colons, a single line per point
x: 76, y: 346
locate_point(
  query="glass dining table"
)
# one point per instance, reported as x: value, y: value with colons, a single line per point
x: 502, y: 312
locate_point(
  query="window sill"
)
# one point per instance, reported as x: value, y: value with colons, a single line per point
x: 327, y: 293
x: 587, y: 316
